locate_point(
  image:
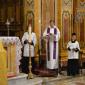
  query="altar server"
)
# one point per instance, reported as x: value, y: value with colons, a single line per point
x: 73, y: 56
x: 26, y: 43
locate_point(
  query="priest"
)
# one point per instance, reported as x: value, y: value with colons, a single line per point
x: 25, y: 58
x: 52, y: 36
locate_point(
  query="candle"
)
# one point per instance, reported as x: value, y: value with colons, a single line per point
x: 40, y: 35
x: 30, y: 31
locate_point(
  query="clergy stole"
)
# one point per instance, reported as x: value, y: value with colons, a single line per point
x: 3, y: 67
x: 48, y: 47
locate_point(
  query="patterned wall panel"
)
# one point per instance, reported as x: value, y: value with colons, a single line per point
x: 81, y: 9
x: 47, y: 12
x: 66, y: 21
x: 66, y: 31
x: 81, y: 4
x: 67, y: 3
x: 28, y: 13
x: 79, y: 23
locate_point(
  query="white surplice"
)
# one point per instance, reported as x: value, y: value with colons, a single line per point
x: 26, y: 46
x: 52, y: 63
x: 72, y: 54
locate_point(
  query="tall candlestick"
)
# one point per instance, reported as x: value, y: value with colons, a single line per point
x: 40, y: 40
x: 30, y: 75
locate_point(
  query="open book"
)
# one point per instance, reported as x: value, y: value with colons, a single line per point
x: 49, y: 36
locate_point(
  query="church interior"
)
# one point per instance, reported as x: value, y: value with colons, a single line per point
x: 15, y: 18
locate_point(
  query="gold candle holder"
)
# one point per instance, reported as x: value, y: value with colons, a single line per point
x: 30, y: 74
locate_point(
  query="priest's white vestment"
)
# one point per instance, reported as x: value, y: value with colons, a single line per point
x: 52, y: 36
x: 72, y: 54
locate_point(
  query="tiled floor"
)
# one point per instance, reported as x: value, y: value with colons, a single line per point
x: 71, y: 81
x: 65, y: 80
x: 60, y: 80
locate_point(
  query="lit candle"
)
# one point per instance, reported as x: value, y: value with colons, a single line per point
x: 30, y: 31
x: 40, y: 35
x: 40, y: 27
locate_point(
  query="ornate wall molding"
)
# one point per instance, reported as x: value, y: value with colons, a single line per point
x: 29, y: 2
x: 79, y: 24
x: 66, y: 30
x: 82, y: 4
x: 67, y: 3
x: 67, y: 14
x: 28, y: 13
x: 47, y: 12
x: 30, y: 19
